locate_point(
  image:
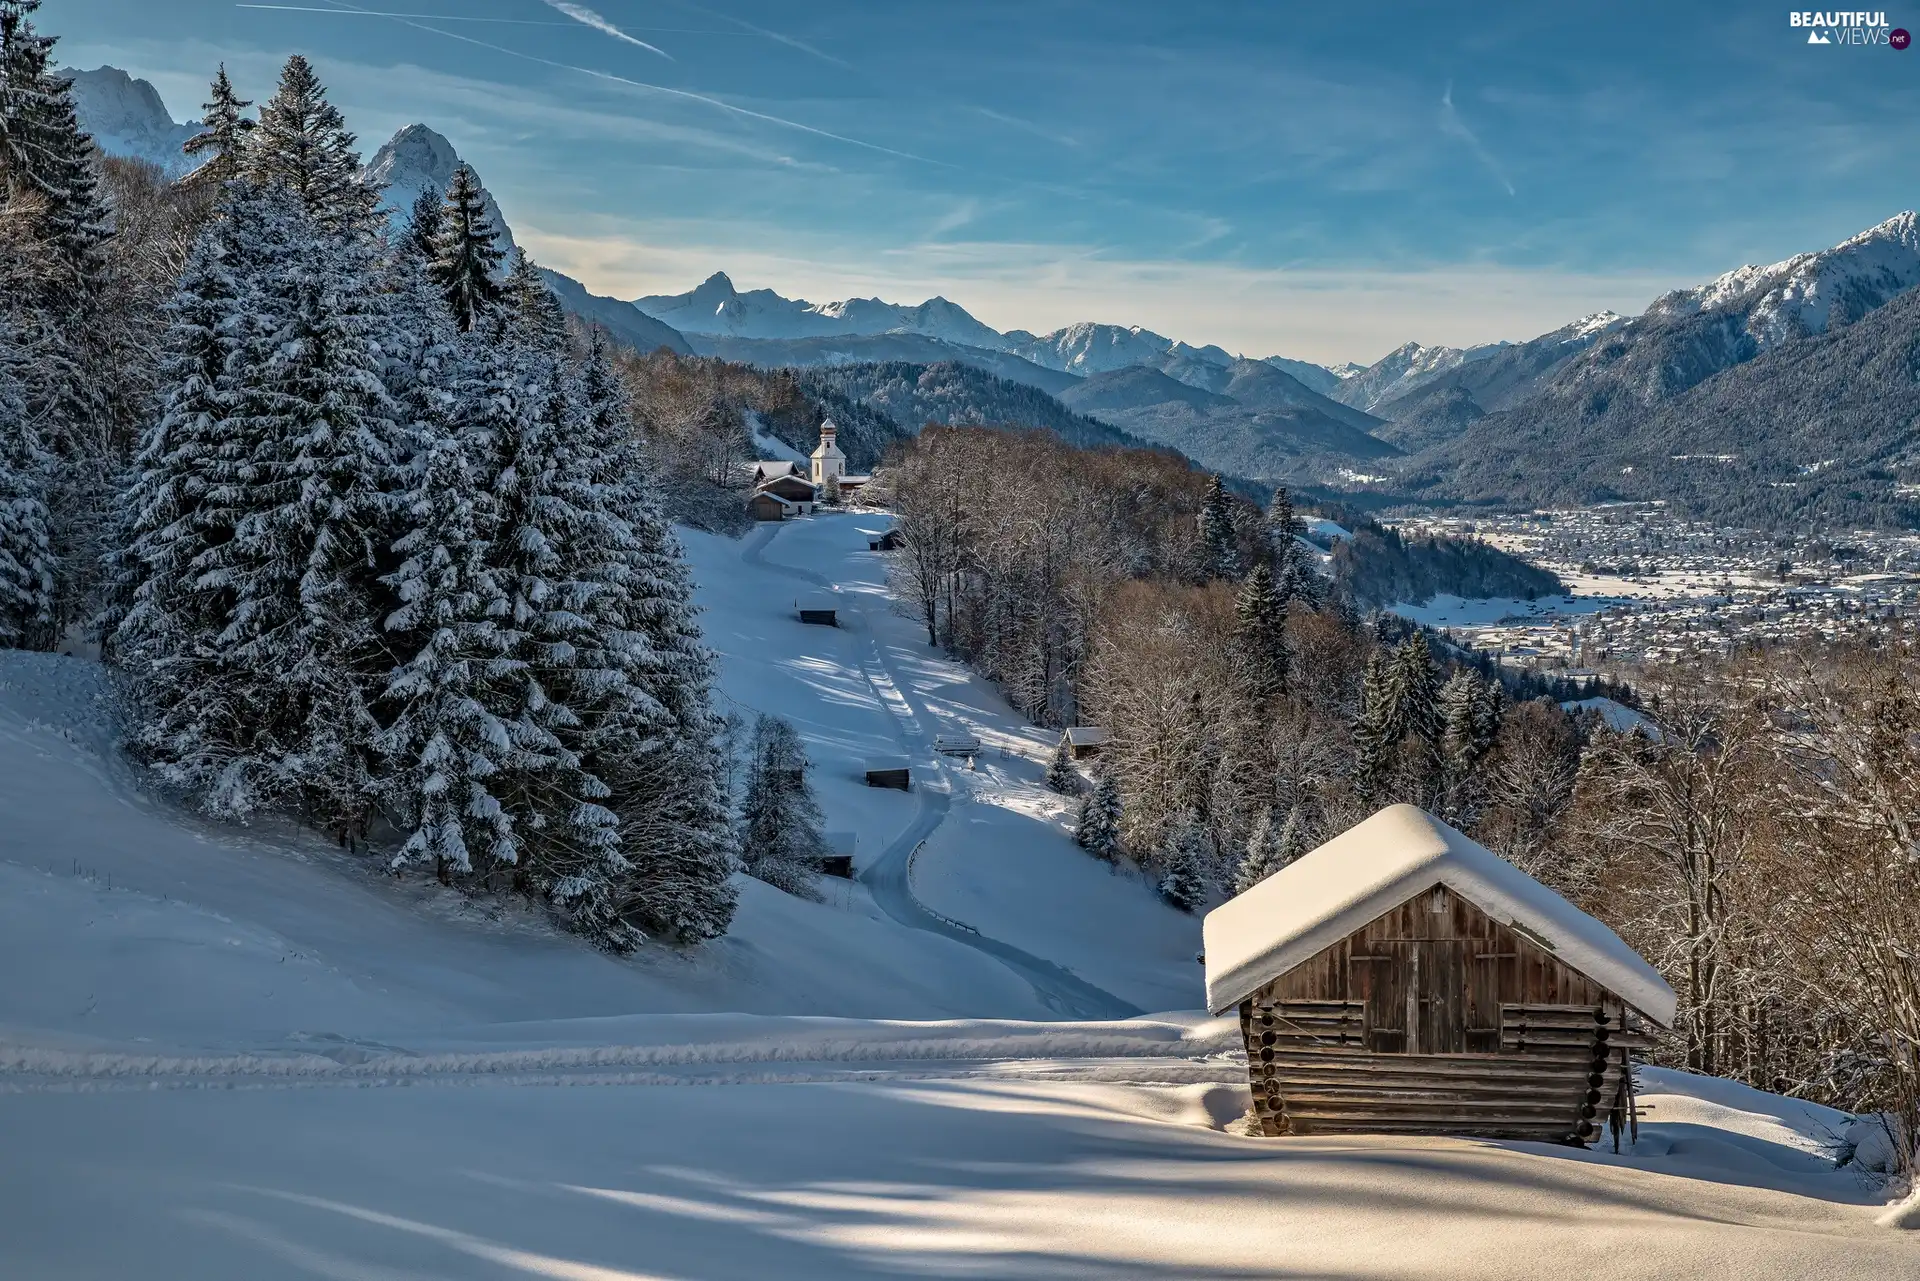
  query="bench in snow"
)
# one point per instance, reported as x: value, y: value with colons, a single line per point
x: 956, y: 745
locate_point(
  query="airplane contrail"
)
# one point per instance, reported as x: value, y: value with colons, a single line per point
x: 580, y: 13
x: 664, y: 90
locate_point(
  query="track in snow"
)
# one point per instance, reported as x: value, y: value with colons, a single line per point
x: 888, y: 878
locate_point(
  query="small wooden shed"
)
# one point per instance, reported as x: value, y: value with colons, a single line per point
x: 765, y: 506
x: 1403, y: 979
x: 838, y: 858
x: 823, y: 609
x: 889, y: 771
x: 1085, y: 740
x: 884, y: 542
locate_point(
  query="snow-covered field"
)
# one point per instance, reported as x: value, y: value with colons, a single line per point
x: 1455, y: 611
x: 243, y: 1053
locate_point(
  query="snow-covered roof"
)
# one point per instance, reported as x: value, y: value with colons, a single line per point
x: 768, y: 468
x: 876, y: 764
x: 817, y: 601
x: 1086, y: 735
x: 1379, y: 864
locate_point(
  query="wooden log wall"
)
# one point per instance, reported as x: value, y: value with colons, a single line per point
x: 1436, y: 1019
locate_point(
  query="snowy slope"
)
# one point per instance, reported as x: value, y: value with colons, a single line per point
x: 1008, y: 1175
x: 145, y: 924
x: 205, y: 1028
x: 127, y: 118
x: 1002, y: 861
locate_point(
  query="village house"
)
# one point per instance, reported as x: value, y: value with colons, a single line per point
x: 1403, y: 979
x: 781, y: 492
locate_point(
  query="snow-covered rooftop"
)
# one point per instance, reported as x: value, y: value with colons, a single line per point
x: 1376, y: 865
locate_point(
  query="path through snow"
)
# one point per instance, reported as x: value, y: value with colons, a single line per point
x: 890, y: 876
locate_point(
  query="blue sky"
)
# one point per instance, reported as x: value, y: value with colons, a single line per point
x: 1320, y: 181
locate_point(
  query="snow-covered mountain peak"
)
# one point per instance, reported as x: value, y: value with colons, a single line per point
x: 1586, y: 327
x: 418, y: 159
x: 1809, y: 292
x: 716, y: 306
x: 127, y: 118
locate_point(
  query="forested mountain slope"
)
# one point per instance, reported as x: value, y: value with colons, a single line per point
x: 1262, y: 438
x: 950, y: 393
x: 1822, y: 427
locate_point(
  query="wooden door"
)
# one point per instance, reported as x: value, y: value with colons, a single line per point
x: 1440, y: 991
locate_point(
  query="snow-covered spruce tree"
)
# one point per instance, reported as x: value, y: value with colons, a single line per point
x: 1184, y: 855
x: 221, y: 143
x: 1275, y: 843
x: 659, y: 741
x: 780, y: 836
x: 302, y: 462
x: 421, y: 239
x: 1219, y: 547
x: 185, y: 489
x: 455, y: 733
x: 45, y: 157
x: 302, y: 143
x: 1098, y: 829
x: 512, y: 418
x: 467, y: 256
x: 1415, y: 684
x: 1469, y: 721
x: 453, y: 700
x: 1260, y: 633
x: 26, y: 559
x: 1062, y: 777
x: 1377, y: 728
x: 58, y: 224
x: 1281, y: 525
x: 537, y: 315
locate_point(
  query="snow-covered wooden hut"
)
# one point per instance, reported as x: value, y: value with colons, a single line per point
x: 1085, y: 740
x: 1403, y: 979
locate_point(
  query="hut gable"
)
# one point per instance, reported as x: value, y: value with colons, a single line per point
x: 1371, y: 886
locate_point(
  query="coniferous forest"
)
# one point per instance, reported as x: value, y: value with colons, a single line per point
x: 363, y: 525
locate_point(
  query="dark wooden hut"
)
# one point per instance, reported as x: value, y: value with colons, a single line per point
x: 823, y: 609
x: 890, y: 771
x: 1403, y: 979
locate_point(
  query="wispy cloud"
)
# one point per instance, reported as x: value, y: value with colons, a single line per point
x: 685, y: 95
x: 379, y: 13
x: 580, y: 13
x: 1454, y: 127
x: 765, y: 33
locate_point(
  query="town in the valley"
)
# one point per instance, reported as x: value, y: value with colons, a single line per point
x: 1647, y: 586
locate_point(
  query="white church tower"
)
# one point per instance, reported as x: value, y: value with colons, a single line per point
x: 828, y: 461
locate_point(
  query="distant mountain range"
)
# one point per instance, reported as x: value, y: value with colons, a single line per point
x: 1704, y: 399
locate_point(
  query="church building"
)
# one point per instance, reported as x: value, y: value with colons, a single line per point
x: 830, y: 465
